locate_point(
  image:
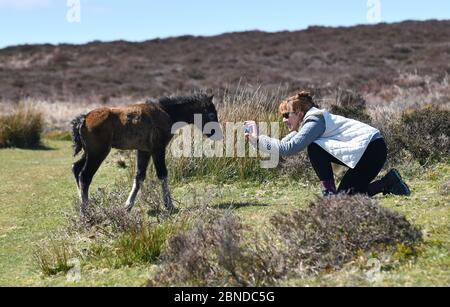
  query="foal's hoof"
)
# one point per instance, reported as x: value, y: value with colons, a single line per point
x: 172, y: 210
x: 84, y: 213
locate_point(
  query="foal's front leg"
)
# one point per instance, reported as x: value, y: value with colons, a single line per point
x: 142, y: 159
x: 159, y: 160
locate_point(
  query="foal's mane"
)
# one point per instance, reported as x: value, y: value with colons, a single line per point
x: 194, y: 99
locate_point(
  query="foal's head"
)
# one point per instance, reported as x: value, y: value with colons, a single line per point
x: 190, y: 109
x: 210, y: 122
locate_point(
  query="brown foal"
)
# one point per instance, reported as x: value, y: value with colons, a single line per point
x: 146, y: 128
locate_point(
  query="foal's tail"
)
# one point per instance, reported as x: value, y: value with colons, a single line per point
x: 77, y: 123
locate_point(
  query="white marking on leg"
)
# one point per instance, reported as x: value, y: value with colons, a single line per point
x: 134, y: 191
x: 79, y: 194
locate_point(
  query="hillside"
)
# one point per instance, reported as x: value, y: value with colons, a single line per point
x: 360, y: 57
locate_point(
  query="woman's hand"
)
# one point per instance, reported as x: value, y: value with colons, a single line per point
x: 251, y: 130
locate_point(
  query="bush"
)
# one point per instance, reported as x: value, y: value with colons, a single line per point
x: 107, y: 210
x: 22, y: 128
x: 332, y: 231
x: 325, y: 236
x: 212, y: 254
x: 297, y: 167
x: 351, y: 112
x: 424, y: 132
x: 351, y: 105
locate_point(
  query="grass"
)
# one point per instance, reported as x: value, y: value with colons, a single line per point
x: 38, y: 189
x: 32, y: 205
x: 21, y: 128
x: 53, y: 258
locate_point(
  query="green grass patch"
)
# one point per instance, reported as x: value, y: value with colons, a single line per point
x: 38, y: 191
x: 54, y: 257
x: 143, y: 246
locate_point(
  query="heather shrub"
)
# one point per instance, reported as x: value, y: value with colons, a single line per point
x: 297, y: 167
x: 424, y: 132
x: 217, y: 253
x: 22, y: 128
x: 389, y: 129
x: 106, y: 210
x: 193, y: 257
x: 333, y: 230
x: 351, y: 112
x: 351, y: 105
x: 330, y: 233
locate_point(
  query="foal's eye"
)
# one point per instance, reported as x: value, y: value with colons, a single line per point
x: 211, y: 116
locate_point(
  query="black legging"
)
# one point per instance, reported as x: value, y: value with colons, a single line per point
x: 356, y: 180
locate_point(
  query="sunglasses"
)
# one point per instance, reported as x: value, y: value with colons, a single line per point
x: 287, y: 115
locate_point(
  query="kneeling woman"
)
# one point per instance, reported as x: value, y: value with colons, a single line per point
x: 333, y: 139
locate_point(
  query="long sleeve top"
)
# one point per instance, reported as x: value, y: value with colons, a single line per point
x: 295, y: 141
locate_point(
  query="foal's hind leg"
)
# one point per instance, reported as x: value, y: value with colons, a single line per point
x: 159, y: 160
x: 142, y: 159
x: 93, y: 162
x: 76, y: 169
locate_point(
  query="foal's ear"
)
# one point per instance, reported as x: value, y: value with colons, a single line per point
x: 211, y: 97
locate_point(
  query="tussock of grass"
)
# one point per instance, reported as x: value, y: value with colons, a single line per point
x: 106, y: 211
x: 22, y: 128
x: 53, y: 257
x: 143, y: 246
x: 234, y: 106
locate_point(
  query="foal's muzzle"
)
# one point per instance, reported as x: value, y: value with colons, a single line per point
x: 213, y: 131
